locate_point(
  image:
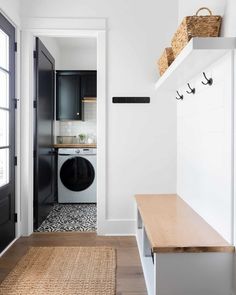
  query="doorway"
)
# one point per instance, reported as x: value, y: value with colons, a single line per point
x: 7, y: 133
x: 65, y: 185
x: 69, y: 28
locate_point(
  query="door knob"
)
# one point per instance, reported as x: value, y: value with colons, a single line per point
x: 77, y: 114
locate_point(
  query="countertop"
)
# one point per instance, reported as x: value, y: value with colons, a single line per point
x: 75, y: 145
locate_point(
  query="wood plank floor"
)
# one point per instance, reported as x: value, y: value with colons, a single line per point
x: 130, y: 280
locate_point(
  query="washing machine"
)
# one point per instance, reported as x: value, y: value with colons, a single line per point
x: 77, y: 175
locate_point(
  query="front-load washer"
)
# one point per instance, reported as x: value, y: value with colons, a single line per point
x: 77, y: 175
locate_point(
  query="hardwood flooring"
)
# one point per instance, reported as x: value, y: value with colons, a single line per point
x: 130, y: 280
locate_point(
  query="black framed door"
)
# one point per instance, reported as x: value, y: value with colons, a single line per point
x: 44, y: 162
x: 7, y: 132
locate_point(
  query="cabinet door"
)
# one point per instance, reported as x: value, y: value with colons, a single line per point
x: 89, y: 84
x: 68, y: 97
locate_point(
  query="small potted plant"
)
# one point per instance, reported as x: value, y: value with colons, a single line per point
x: 82, y: 138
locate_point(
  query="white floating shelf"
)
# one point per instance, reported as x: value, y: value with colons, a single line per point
x: 198, y: 54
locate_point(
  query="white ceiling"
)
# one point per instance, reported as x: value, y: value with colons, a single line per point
x: 78, y: 43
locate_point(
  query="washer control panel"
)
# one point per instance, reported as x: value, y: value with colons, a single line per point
x: 78, y: 151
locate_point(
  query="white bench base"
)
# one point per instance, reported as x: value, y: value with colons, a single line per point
x: 184, y: 273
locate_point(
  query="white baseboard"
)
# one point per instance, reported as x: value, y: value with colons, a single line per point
x: 8, y: 247
x: 117, y: 227
x: 119, y: 235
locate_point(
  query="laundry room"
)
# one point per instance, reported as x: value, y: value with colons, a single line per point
x: 65, y: 141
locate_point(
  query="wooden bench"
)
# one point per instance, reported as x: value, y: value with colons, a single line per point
x: 181, y: 253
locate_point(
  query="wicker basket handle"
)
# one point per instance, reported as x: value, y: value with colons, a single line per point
x: 203, y: 8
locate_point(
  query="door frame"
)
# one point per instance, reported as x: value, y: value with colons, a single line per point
x: 60, y: 27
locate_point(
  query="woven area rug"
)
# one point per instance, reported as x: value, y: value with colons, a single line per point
x: 63, y: 271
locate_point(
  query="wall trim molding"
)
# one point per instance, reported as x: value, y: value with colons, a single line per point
x: 119, y: 227
x: 234, y: 148
x: 63, y: 23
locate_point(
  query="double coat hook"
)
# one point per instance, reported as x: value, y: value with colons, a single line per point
x: 192, y: 90
x: 208, y: 81
x: 180, y: 96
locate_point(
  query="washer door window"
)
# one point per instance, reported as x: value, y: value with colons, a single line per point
x: 77, y: 174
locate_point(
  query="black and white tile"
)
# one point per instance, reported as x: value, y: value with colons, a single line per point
x: 70, y: 217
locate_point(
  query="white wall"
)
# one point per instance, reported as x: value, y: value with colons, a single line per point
x: 78, y: 59
x: 229, y: 24
x: 219, y: 212
x: 141, y: 143
x: 53, y: 48
x: 11, y: 9
x: 204, y: 147
x: 215, y: 164
x: 70, y: 57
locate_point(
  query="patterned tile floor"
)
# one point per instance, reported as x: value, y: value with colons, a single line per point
x: 70, y: 217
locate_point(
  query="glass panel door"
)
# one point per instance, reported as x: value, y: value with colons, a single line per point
x: 4, y: 109
x: 4, y: 167
x: 4, y: 50
x: 7, y: 132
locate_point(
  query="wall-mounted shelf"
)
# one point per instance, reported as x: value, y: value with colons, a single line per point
x: 89, y: 99
x: 198, y: 54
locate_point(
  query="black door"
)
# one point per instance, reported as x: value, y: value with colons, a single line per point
x: 7, y: 132
x: 44, y: 164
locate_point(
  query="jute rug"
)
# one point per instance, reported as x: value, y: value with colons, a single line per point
x: 63, y: 271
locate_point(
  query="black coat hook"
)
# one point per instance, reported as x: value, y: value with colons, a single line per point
x: 192, y: 90
x: 179, y: 96
x: 208, y: 81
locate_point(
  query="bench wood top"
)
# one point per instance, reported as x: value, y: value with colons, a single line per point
x: 173, y: 226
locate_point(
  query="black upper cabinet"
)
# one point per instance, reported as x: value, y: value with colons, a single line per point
x: 68, y: 102
x: 89, y: 84
x: 72, y: 87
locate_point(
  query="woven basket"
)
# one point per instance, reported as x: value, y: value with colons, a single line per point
x: 195, y: 26
x: 165, y: 60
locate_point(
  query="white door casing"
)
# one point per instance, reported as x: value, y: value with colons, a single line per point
x: 56, y: 27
